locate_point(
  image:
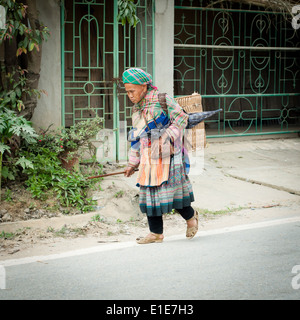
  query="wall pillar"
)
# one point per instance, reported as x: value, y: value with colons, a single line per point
x: 164, y: 45
x: 48, y: 110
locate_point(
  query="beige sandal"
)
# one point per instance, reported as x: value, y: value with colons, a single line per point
x: 147, y: 239
x: 191, y: 232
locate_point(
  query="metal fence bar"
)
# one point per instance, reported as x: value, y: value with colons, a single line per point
x: 194, y: 8
x: 116, y: 110
x: 251, y: 134
x: 62, y: 56
x: 219, y: 47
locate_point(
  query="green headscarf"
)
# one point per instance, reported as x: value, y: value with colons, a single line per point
x: 137, y: 76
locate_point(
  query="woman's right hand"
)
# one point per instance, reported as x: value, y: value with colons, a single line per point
x: 129, y: 171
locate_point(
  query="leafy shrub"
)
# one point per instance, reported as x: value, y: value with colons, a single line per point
x: 47, y: 175
x: 13, y: 126
x: 71, y: 139
x: 127, y: 12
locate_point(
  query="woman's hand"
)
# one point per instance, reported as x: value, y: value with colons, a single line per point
x: 129, y: 171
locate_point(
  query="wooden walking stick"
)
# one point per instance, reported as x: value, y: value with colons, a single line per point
x: 109, y: 174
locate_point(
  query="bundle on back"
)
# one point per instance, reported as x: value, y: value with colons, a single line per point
x: 196, y: 136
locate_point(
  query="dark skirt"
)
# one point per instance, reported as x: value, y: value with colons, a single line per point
x: 176, y: 193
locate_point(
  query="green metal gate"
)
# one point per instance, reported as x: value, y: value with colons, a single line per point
x: 96, y: 49
x: 242, y: 59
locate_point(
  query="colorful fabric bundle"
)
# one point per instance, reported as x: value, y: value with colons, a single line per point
x: 155, y: 172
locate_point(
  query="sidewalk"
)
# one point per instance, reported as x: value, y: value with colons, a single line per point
x: 237, y: 175
x: 249, y: 173
x: 245, y: 174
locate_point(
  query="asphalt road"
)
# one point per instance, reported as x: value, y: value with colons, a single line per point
x: 242, y: 263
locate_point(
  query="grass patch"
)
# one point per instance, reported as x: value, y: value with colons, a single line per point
x: 206, y: 212
x: 119, y: 194
x: 11, y: 235
x: 97, y: 218
x: 66, y: 232
x: 7, y: 235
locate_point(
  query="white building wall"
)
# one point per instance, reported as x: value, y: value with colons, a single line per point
x: 48, y: 110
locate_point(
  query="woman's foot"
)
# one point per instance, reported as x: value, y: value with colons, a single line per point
x: 150, y: 238
x: 192, y: 226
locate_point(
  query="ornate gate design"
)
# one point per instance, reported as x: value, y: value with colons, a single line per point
x: 96, y: 49
x: 242, y: 59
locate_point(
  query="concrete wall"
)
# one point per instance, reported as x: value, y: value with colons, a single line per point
x: 164, y: 45
x: 48, y: 110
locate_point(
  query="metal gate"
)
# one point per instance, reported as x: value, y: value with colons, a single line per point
x: 243, y: 59
x: 96, y: 49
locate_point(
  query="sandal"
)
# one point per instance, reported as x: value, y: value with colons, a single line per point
x: 191, y: 232
x: 147, y: 239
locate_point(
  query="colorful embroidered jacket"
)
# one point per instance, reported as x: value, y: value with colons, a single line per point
x: 153, y: 171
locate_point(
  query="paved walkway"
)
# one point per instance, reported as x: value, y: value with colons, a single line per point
x: 236, y: 175
x: 246, y: 174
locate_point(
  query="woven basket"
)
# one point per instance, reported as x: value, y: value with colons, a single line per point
x: 196, y: 138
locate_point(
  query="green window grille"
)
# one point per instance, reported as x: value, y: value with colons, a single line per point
x: 243, y: 59
x: 96, y: 48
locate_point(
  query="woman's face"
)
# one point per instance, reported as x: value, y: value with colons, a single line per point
x: 135, y: 92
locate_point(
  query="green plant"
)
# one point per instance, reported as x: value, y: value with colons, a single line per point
x: 7, y: 195
x: 47, y: 175
x: 119, y: 194
x: 127, y: 12
x: 16, y: 25
x: 11, y: 126
x: 205, y: 212
x: 97, y: 218
x: 71, y: 139
x: 66, y: 231
x: 22, y: 35
x: 14, y: 90
x: 20, y: 40
x: 7, y: 235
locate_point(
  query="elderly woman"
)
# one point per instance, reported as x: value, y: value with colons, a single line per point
x: 162, y: 178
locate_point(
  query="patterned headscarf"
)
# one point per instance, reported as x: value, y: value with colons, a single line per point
x: 137, y: 76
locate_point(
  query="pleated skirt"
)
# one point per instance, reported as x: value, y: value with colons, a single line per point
x: 176, y: 193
